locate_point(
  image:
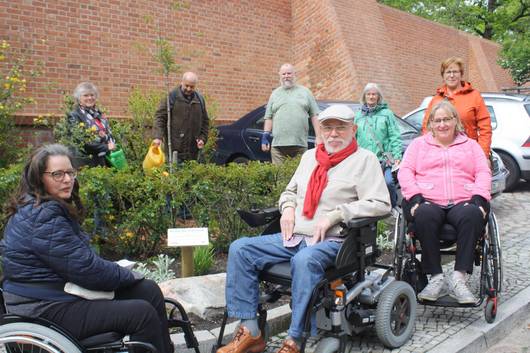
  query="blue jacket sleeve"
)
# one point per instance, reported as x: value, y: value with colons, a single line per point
x: 60, y: 245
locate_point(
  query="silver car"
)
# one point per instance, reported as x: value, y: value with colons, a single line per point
x: 510, y: 122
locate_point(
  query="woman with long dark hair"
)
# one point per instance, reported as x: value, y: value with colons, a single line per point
x: 44, y: 248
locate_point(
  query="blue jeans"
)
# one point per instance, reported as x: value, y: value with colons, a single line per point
x: 248, y: 256
x: 391, y: 185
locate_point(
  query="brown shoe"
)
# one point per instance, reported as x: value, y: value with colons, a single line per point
x: 243, y: 342
x: 289, y: 346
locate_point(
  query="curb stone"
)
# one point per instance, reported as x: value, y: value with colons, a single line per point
x: 277, y: 318
x: 480, y: 335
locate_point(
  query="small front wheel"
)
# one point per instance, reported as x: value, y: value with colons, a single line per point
x: 490, y: 310
x: 396, y: 314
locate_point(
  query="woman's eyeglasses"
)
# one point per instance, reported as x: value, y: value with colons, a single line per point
x: 451, y: 73
x: 58, y: 175
x: 442, y: 120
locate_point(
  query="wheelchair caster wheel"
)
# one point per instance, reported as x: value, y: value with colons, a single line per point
x: 490, y: 310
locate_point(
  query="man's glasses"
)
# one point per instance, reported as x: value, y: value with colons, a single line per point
x: 340, y: 128
x: 442, y: 120
x: 451, y: 73
x: 58, y: 175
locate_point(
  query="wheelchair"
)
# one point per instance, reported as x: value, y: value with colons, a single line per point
x: 19, y: 334
x: 355, y: 293
x: 487, y: 255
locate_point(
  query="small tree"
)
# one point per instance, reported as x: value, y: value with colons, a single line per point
x: 12, y: 86
x: 164, y: 54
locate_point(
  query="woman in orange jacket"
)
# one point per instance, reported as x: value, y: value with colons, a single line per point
x: 467, y: 101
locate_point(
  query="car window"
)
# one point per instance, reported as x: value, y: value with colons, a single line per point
x: 493, y: 117
x: 405, y: 128
x: 527, y: 107
x: 258, y: 124
x: 416, y: 119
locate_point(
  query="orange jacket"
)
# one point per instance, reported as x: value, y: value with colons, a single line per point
x: 472, y: 110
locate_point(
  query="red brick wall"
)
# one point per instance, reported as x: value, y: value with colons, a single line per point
x: 234, y: 46
x: 340, y: 45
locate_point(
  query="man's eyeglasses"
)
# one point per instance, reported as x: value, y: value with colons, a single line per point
x: 58, y: 175
x: 443, y: 120
x: 451, y: 73
x: 340, y: 128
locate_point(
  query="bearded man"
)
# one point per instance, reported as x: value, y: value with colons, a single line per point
x: 289, y: 110
x: 334, y: 182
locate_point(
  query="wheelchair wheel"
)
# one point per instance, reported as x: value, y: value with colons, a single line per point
x: 396, y: 314
x: 495, y: 252
x: 328, y: 345
x: 399, y: 246
x: 25, y: 337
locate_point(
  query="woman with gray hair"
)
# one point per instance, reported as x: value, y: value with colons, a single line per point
x: 88, y: 116
x: 378, y: 132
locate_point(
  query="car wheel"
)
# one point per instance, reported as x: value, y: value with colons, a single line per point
x: 513, y: 168
x: 241, y: 160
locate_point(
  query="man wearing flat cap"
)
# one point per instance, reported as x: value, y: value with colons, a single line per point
x: 334, y: 182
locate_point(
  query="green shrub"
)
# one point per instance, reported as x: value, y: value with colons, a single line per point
x: 13, y: 82
x: 157, y: 269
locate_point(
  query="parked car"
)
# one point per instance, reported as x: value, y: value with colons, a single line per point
x: 510, y: 122
x: 240, y: 141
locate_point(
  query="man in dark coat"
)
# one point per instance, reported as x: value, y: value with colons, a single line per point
x: 189, y: 120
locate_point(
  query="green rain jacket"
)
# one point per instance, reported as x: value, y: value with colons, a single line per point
x: 383, y: 125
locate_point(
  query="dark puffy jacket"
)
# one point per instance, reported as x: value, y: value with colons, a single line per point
x: 44, y: 244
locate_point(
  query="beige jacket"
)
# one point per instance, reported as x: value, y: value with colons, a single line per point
x: 356, y: 188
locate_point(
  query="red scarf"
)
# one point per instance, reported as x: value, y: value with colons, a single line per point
x: 319, y: 177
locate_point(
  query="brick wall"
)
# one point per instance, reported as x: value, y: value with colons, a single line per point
x: 236, y: 48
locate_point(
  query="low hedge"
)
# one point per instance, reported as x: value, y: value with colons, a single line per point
x: 135, y: 209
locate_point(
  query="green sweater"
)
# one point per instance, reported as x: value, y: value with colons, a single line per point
x: 381, y: 123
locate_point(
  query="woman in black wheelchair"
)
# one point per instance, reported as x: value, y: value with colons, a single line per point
x: 445, y: 178
x: 44, y: 248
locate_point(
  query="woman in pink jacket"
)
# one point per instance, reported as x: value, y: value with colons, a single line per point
x: 445, y: 178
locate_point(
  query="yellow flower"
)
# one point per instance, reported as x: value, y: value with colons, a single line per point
x: 82, y: 124
x: 166, y: 174
x: 93, y: 128
x: 129, y: 234
x: 7, y: 85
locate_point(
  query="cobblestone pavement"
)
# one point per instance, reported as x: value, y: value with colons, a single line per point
x: 434, y: 325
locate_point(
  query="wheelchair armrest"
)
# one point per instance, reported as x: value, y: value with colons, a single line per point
x: 259, y: 217
x: 362, y: 222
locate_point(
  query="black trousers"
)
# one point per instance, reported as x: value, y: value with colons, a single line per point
x: 468, y: 221
x: 138, y: 311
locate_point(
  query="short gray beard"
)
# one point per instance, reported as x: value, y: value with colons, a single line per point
x: 287, y: 84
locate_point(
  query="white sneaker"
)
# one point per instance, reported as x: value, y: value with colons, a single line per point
x: 459, y: 290
x: 435, y: 289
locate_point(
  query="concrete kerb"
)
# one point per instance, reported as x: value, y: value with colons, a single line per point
x: 277, y: 318
x: 480, y: 335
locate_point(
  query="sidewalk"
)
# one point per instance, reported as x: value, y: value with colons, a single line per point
x: 455, y: 329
